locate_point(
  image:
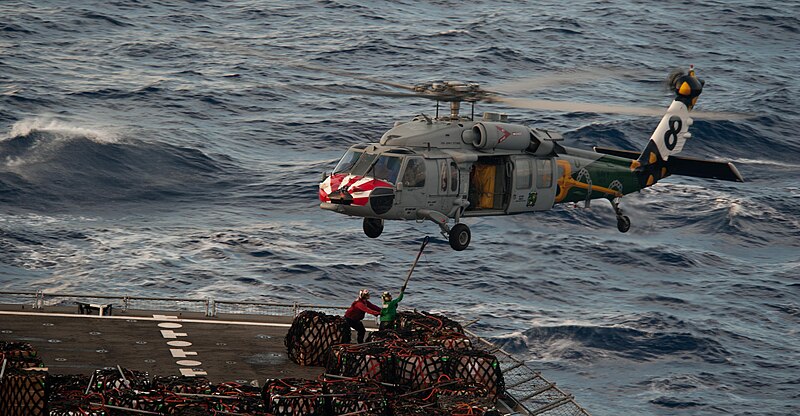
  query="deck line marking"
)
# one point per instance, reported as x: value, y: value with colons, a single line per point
x: 170, y: 334
x: 180, y: 353
x: 189, y: 372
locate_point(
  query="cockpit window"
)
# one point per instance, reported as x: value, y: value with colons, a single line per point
x: 386, y: 168
x: 347, y: 162
x: 363, y: 164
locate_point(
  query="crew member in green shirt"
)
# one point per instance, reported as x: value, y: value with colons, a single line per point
x: 389, y: 310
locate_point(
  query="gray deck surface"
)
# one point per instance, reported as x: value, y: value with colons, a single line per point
x: 240, y: 348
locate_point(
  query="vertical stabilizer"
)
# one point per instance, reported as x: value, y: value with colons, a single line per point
x: 672, y: 132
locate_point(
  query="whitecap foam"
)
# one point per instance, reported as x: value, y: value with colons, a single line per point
x: 60, y: 128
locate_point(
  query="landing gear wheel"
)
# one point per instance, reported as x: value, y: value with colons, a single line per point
x: 623, y: 223
x: 373, y: 227
x: 460, y: 237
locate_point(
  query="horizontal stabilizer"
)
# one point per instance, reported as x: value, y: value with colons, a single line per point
x: 627, y: 154
x: 687, y: 166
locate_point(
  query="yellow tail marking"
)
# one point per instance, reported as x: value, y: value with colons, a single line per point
x: 685, y: 89
x: 565, y: 183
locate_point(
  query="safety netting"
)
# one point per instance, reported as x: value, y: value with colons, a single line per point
x: 312, y: 334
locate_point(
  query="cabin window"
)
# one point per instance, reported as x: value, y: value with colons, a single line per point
x: 414, y: 176
x: 544, y: 177
x: 386, y: 168
x: 523, y: 168
x: 347, y: 162
x: 453, y: 177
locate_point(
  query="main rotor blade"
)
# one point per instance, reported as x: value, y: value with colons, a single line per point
x: 354, y: 76
x: 358, y: 91
x: 566, y: 106
x: 552, y: 79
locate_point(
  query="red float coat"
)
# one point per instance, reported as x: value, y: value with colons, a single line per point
x: 357, y: 310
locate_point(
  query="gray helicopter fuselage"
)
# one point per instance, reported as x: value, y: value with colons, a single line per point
x: 461, y: 168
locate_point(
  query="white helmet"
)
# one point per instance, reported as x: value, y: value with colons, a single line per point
x: 386, y: 296
x: 363, y: 294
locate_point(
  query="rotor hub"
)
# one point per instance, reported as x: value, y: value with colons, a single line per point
x: 451, y: 91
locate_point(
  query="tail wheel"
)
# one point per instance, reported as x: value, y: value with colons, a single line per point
x: 373, y: 227
x: 623, y: 224
x: 460, y: 237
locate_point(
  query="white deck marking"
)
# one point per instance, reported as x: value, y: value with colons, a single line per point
x: 170, y: 334
x: 180, y: 353
x: 164, y: 317
x: 188, y: 372
x: 179, y: 343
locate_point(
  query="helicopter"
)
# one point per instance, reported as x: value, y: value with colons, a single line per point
x: 452, y: 167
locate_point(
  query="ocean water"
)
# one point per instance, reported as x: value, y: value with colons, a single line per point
x: 174, y: 148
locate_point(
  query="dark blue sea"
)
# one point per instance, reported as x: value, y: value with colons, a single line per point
x: 174, y: 148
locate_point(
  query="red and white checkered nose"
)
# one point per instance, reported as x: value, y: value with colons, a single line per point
x: 356, y: 195
x: 346, y: 189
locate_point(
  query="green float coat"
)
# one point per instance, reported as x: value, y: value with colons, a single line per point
x: 389, y: 311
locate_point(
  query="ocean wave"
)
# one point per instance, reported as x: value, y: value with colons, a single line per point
x: 49, y: 162
x: 590, y: 342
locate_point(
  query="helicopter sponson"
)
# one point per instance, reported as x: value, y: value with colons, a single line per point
x: 442, y: 169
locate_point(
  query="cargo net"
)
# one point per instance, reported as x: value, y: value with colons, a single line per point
x: 106, y: 393
x: 363, y: 397
x: 19, y: 355
x: 404, y: 406
x: 427, y: 322
x: 464, y: 398
x: 312, y: 334
x: 426, y: 349
x: 23, y: 393
x: 445, y: 339
x: 371, y: 361
x: 292, y: 396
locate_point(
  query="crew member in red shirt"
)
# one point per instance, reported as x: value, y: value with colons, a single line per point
x: 355, y: 313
